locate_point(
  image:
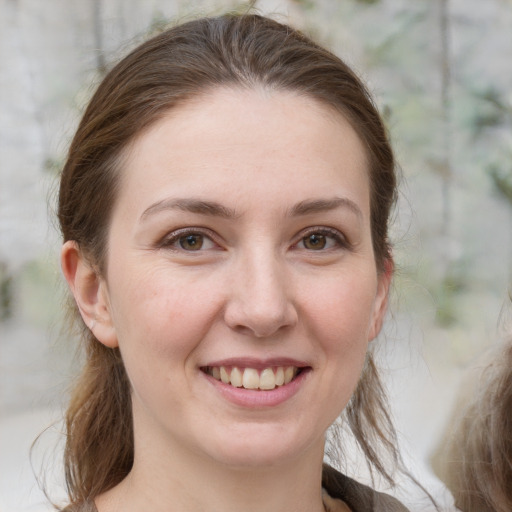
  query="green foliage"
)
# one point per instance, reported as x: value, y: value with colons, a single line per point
x: 490, y: 110
x: 448, y: 296
x: 396, y: 45
x: 305, y: 4
x: 502, y: 181
x: 493, y: 112
x: 158, y: 24
x: 450, y: 288
x: 52, y: 166
x: 38, y: 288
x: 6, y: 294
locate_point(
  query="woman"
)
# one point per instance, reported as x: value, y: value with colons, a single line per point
x: 224, y: 210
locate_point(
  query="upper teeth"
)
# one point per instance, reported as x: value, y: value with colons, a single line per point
x: 250, y: 378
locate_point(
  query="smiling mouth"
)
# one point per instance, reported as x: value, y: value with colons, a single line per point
x: 251, y: 378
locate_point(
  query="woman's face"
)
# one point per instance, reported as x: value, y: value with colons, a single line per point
x: 241, y: 285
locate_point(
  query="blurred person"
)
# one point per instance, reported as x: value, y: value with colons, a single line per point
x: 474, y: 457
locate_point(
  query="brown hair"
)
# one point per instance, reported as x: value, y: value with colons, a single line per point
x: 234, y: 51
x: 475, y: 459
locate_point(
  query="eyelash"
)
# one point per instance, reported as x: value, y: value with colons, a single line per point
x: 339, y: 239
x: 173, y: 238
x: 169, y: 241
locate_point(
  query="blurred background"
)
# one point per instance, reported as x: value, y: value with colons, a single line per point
x: 441, y: 72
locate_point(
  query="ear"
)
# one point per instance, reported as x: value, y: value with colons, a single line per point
x: 90, y: 292
x: 380, y: 305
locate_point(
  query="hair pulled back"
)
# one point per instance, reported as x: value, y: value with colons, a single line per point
x: 239, y: 51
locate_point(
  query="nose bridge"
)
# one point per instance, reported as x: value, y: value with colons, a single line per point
x: 260, y: 300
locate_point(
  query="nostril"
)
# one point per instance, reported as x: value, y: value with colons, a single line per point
x: 260, y: 330
x: 260, y: 322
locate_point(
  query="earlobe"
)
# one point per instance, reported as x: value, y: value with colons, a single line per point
x: 381, y: 300
x: 90, y: 292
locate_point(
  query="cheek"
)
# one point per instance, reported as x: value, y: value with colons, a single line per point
x: 156, y: 314
x: 341, y: 311
x: 159, y: 325
x: 341, y: 316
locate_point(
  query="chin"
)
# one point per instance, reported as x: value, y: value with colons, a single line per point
x: 262, y: 450
x: 254, y: 461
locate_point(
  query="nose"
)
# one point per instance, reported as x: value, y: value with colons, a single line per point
x: 260, y: 297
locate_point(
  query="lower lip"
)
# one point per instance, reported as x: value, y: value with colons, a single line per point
x: 253, y: 398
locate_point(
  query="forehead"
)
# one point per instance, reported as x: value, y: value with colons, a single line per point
x: 254, y: 138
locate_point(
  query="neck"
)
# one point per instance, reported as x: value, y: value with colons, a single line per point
x: 192, y: 483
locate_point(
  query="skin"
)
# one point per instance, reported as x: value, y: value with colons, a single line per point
x: 286, y: 270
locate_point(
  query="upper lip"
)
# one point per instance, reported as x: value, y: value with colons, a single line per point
x: 256, y: 363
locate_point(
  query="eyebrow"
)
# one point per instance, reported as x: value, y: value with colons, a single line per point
x: 198, y: 206
x: 324, y: 205
x: 214, y: 209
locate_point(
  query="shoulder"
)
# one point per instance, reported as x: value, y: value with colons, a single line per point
x: 359, y: 497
